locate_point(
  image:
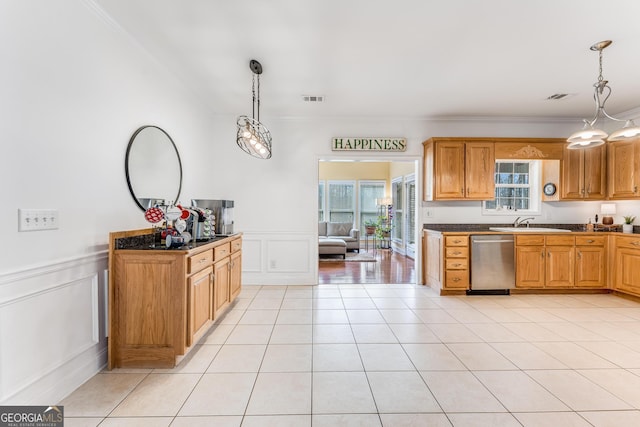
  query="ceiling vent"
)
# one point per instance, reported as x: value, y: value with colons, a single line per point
x: 557, y: 96
x: 313, y: 98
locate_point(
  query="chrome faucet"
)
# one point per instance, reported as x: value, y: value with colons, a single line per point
x: 519, y: 221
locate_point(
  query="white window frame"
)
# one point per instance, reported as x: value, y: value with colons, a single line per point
x: 375, y: 210
x: 535, y: 184
x: 353, y: 202
x: 322, y: 193
x: 398, y: 211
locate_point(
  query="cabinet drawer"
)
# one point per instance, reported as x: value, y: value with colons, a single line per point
x: 456, y: 241
x: 628, y: 242
x: 236, y: 245
x: 456, y: 264
x: 590, y: 240
x: 199, y: 261
x: 456, y: 279
x: 560, y: 240
x: 456, y: 252
x: 536, y: 240
x: 221, y: 251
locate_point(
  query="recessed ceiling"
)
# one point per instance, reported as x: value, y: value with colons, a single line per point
x: 403, y: 58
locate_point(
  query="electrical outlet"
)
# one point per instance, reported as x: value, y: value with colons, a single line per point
x: 428, y: 212
x: 37, y: 219
x: 272, y: 264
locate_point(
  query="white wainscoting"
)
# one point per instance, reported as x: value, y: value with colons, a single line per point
x: 279, y: 258
x: 52, y: 329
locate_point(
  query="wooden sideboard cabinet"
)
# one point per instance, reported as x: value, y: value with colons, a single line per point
x: 161, y: 302
x: 583, y: 174
x: 455, y: 169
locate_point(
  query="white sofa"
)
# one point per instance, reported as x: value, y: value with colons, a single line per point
x: 340, y: 230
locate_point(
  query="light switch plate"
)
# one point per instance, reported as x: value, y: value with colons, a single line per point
x: 37, y: 219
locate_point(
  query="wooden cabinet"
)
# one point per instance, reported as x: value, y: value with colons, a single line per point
x: 530, y: 262
x: 591, y: 262
x: 200, y: 308
x: 545, y: 261
x: 432, y: 259
x: 456, y: 262
x: 624, y: 169
x: 458, y: 170
x: 161, y: 302
x: 627, y: 264
x: 583, y: 174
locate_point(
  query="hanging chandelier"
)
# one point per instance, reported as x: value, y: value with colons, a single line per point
x: 591, y: 136
x: 252, y: 136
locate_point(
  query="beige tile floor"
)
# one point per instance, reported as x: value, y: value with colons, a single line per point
x: 388, y: 355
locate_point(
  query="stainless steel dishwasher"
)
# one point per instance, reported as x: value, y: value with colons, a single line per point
x: 492, y: 263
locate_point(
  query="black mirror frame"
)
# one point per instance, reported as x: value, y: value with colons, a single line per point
x: 126, y: 163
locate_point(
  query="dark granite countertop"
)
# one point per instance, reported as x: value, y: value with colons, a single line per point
x: 145, y: 242
x: 484, y: 228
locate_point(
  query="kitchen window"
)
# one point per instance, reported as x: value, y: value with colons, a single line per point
x: 517, y: 188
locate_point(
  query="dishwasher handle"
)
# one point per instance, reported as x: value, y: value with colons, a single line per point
x: 492, y: 241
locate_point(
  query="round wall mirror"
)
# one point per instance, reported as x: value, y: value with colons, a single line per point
x: 153, y: 167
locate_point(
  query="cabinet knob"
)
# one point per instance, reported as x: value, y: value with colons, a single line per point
x: 636, y: 243
x: 590, y: 241
x: 542, y: 253
x: 457, y: 253
x: 579, y: 255
x: 457, y: 279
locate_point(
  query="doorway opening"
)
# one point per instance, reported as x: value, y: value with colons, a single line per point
x: 378, y: 199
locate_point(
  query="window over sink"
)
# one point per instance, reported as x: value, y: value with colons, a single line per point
x: 517, y: 188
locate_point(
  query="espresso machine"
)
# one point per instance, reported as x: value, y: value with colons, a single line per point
x: 222, y: 211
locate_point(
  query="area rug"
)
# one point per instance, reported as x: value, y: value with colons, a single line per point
x: 351, y: 257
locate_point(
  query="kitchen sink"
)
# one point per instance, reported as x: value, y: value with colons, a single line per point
x: 530, y: 230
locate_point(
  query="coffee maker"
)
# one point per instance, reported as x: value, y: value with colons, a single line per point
x: 223, y: 212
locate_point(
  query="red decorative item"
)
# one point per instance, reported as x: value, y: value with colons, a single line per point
x: 185, y: 214
x: 154, y: 215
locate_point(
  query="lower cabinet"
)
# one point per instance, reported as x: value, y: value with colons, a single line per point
x: 456, y: 262
x: 627, y: 265
x: 161, y: 302
x: 545, y: 261
x: 591, y: 262
x: 200, y: 307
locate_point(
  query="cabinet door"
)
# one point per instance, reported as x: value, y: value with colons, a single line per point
x: 433, y: 260
x: 530, y: 263
x: 480, y: 164
x: 627, y: 277
x: 200, y: 308
x: 572, y: 185
x: 220, y: 285
x: 235, y: 275
x: 449, y: 170
x: 595, y: 172
x: 590, y: 266
x: 623, y: 170
x: 559, y: 269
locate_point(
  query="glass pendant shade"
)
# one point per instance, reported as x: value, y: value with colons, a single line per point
x: 585, y: 143
x: 630, y: 130
x: 588, y: 133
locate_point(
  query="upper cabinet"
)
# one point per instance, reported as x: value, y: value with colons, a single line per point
x: 583, y: 174
x: 456, y: 169
x: 624, y: 169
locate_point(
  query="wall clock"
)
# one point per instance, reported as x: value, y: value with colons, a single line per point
x: 549, y: 189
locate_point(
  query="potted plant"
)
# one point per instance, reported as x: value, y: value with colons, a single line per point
x: 370, y: 226
x: 627, y: 227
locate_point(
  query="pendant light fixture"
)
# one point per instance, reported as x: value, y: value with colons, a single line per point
x: 252, y: 136
x: 591, y: 136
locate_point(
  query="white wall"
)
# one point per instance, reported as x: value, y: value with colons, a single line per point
x: 74, y: 88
